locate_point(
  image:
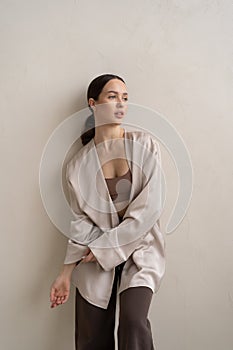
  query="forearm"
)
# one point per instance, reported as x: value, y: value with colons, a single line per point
x: 67, y: 269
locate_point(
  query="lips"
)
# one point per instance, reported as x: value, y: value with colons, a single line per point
x: 119, y: 114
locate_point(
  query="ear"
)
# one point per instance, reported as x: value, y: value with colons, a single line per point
x: 91, y: 103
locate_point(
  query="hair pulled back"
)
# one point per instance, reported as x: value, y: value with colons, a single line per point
x: 94, y: 90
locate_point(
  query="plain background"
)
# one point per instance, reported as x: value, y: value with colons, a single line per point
x: 176, y: 57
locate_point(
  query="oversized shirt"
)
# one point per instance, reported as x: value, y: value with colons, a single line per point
x: 136, y: 239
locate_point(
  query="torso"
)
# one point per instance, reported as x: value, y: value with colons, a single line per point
x: 119, y: 189
x: 114, y: 150
x: 115, y: 167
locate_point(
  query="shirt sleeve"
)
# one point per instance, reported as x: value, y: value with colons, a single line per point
x: 82, y: 228
x: 115, y: 245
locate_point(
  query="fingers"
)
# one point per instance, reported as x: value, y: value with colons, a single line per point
x: 88, y: 258
x: 59, y: 300
x: 59, y: 291
x: 52, y: 294
x: 88, y: 251
x: 58, y: 296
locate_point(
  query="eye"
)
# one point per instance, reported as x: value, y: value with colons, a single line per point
x: 112, y: 97
x: 125, y: 98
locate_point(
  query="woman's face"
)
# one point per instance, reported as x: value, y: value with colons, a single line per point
x: 111, y: 105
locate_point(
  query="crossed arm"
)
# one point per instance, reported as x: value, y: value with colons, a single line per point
x: 113, y: 246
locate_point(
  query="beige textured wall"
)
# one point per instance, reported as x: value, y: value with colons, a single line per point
x: 177, y: 58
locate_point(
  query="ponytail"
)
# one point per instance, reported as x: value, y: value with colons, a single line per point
x: 89, y: 130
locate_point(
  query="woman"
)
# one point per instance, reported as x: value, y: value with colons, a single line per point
x: 116, y: 246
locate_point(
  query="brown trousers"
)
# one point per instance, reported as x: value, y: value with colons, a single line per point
x: 94, y: 326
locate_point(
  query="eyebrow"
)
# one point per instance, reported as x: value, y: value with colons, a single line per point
x: 115, y: 92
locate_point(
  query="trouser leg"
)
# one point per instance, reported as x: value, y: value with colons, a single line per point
x: 134, y: 330
x: 94, y: 326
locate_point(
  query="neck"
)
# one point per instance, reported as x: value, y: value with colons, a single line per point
x: 106, y: 132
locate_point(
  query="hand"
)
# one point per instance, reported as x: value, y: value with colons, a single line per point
x: 60, y: 291
x: 89, y: 256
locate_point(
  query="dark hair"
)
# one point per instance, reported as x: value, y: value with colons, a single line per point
x: 93, y: 91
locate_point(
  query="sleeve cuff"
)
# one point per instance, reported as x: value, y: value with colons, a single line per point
x: 74, y: 252
x: 109, y: 258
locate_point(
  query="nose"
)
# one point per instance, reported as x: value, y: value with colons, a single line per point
x: 120, y: 101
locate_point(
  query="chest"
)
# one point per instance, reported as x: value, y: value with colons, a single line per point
x: 113, y: 158
x: 115, y: 168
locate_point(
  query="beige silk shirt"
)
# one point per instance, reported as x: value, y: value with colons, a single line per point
x: 135, y: 239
